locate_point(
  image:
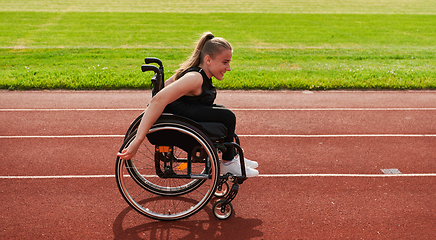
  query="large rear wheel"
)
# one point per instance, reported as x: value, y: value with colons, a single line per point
x: 171, y: 181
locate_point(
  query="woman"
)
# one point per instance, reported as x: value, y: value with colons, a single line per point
x: 190, y: 93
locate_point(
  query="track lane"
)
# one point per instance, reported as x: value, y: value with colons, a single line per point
x: 231, y: 99
x: 299, y: 207
x: 250, y: 122
x: 281, y: 155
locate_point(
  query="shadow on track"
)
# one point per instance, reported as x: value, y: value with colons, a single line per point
x: 130, y: 225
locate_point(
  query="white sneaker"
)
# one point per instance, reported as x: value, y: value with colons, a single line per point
x: 234, y: 167
x: 248, y: 163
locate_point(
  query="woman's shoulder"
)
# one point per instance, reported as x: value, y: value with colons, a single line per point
x: 198, y: 71
x: 192, y: 69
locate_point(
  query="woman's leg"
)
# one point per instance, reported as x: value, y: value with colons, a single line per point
x: 218, y: 113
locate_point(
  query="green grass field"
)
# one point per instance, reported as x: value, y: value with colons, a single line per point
x: 277, y: 44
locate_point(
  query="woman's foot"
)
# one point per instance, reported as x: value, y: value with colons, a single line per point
x: 248, y: 163
x: 234, y: 167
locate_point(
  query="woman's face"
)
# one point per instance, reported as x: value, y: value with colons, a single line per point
x: 219, y: 65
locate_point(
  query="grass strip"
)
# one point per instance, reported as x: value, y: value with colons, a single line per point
x: 213, y: 6
x: 251, y: 68
x: 70, y: 50
x: 243, y: 30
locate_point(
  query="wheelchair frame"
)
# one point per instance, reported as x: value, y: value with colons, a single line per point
x: 176, y: 173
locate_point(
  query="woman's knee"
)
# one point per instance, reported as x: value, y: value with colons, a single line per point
x: 230, y: 117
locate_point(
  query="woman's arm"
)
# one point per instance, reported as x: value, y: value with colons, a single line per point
x: 190, y: 84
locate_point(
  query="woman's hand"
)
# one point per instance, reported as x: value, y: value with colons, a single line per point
x: 130, y: 151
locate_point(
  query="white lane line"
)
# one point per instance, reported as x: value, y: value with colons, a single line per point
x: 340, y: 135
x: 351, y: 175
x: 70, y: 109
x: 70, y: 136
x: 261, y: 175
x: 334, y: 109
x: 56, y: 177
x: 234, y: 109
x: 256, y: 136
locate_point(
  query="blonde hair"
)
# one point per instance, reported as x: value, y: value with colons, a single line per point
x: 207, y: 45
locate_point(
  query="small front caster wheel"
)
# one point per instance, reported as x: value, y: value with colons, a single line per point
x: 221, y: 210
x: 222, y: 190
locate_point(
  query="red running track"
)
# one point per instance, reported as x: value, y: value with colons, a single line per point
x: 320, y: 155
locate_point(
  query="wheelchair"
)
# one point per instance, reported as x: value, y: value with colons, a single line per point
x: 176, y: 171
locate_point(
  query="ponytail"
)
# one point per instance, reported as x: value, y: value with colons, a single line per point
x: 207, y: 45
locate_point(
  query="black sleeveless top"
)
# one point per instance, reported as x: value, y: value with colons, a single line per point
x: 187, y: 104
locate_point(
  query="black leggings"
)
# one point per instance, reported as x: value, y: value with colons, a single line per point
x: 214, y: 113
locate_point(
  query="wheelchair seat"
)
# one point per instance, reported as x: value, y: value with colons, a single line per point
x: 214, y: 130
